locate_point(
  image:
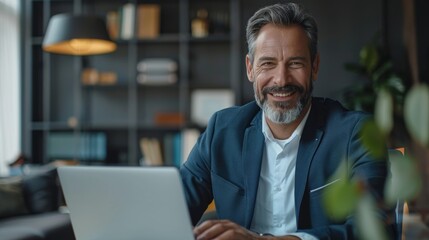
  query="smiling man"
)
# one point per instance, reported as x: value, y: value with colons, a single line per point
x: 282, y: 71
x: 266, y: 163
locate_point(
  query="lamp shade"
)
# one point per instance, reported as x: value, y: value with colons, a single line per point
x: 77, y: 35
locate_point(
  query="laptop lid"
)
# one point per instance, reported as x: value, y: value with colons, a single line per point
x: 126, y: 202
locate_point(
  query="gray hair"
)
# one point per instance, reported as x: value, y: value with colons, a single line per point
x: 281, y: 14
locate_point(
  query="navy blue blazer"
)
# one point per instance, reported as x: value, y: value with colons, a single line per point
x: 225, y: 165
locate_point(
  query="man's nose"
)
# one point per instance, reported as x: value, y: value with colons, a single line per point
x: 282, y: 76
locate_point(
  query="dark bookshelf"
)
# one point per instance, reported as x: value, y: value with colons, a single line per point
x: 56, y: 101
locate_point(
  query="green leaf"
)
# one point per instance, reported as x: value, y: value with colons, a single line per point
x: 341, y: 196
x: 369, y: 57
x: 384, y: 111
x: 373, y: 139
x: 416, y: 113
x: 394, y: 82
x: 383, y: 69
x: 368, y: 224
x: 404, y: 182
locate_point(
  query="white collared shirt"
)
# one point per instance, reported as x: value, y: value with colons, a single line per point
x: 274, y: 211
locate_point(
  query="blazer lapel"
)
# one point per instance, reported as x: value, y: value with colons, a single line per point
x: 310, y: 140
x: 251, y: 159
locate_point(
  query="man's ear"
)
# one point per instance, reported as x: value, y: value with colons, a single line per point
x: 249, y: 69
x: 315, y: 67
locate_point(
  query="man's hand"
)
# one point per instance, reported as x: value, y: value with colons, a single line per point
x: 223, y: 230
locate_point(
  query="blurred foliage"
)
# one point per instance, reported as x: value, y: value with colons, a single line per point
x: 376, y: 73
x: 382, y: 93
x: 384, y: 112
x: 373, y: 139
x: 416, y: 113
x: 368, y: 225
x: 404, y: 181
x: 340, y: 199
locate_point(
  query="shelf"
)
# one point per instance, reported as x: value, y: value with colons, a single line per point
x: 54, y: 126
x: 163, y: 38
x: 125, y: 87
x: 104, y: 126
x: 125, y: 111
x: 156, y: 128
x: 105, y: 87
x: 125, y: 127
x: 211, y: 38
x: 61, y: 126
x: 37, y: 40
x: 155, y: 86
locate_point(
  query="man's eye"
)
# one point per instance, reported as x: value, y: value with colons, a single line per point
x: 266, y: 64
x: 296, y: 64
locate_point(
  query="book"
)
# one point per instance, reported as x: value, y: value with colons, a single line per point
x: 157, y: 79
x: 148, y: 20
x: 127, y: 21
x: 89, y: 76
x: 107, y: 78
x: 88, y: 146
x: 189, y: 138
x: 157, y: 65
x: 112, y: 22
x: 169, y: 119
x: 151, y: 151
x: 168, y: 149
x: 144, y: 149
x: 177, y: 149
x: 172, y: 150
x: 156, y: 151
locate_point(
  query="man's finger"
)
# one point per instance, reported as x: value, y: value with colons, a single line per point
x: 211, y: 229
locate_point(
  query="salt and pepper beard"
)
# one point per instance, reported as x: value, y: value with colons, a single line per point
x: 286, y: 113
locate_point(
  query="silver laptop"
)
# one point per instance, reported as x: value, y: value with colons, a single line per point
x: 126, y: 203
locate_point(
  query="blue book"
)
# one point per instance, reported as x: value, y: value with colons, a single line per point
x: 177, y: 149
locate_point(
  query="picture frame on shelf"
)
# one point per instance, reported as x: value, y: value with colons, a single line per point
x: 205, y: 102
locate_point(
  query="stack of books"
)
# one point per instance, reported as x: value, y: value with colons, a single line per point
x: 128, y: 22
x: 157, y: 71
x: 91, y: 146
x: 172, y: 149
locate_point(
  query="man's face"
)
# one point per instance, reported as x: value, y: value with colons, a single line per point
x: 281, y: 72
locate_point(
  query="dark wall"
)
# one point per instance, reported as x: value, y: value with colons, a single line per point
x: 344, y: 27
x: 422, y: 21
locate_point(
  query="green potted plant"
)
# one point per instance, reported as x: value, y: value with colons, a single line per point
x: 376, y: 73
x: 396, y: 109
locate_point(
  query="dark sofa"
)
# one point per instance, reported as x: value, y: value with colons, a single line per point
x: 29, y: 207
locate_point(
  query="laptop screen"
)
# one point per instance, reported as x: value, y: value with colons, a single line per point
x: 126, y: 202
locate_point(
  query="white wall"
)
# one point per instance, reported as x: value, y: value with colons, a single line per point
x: 9, y: 84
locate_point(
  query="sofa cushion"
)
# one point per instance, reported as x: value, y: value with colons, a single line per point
x: 11, y: 197
x: 20, y: 233
x: 41, y: 191
x: 48, y: 226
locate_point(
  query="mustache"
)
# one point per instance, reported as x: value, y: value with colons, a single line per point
x: 287, y: 88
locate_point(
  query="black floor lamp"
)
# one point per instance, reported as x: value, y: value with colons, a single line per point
x: 78, y: 35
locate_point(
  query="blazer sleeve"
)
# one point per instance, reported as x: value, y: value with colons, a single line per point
x: 195, y: 173
x: 371, y: 172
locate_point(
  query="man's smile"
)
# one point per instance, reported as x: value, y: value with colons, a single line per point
x: 282, y: 93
